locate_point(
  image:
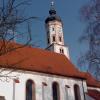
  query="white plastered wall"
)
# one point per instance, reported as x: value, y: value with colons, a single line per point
x: 6, y: 88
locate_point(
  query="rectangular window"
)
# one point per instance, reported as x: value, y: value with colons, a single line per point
x: 53, y: 38
x: 61, y: 51
x: 60, y: 39
x: 48, y: 41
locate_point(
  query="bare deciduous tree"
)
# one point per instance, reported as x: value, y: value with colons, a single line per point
x: 91, y: 15
x: 11, y: 22
x: 12, y: 25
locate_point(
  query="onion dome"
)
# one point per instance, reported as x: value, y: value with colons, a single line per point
x: 52, y: 15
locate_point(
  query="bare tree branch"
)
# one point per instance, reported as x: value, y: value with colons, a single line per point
x: 91, y: 15
x: 10, y: 20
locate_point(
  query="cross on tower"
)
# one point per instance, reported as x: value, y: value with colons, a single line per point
x: 52, y: 3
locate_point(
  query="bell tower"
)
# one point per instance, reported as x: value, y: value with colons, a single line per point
x: 54, y: 30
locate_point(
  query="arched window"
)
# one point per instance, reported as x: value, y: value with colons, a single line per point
x: 61, y: 50
x: 77, y: 92
x: 55, y: 91
x: 30, y: 90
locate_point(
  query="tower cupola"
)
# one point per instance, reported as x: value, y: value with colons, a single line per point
x: 54, y: 29
x: 52, y: 14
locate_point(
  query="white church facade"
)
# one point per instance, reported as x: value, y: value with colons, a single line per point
x: 35, y: 74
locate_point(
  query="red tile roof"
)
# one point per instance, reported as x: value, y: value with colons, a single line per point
x: 39, y: 60
x: 91, y: 81
x: 35, y: 59
x: 94, y: 94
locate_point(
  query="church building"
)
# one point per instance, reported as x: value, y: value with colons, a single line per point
x: 45, y: 74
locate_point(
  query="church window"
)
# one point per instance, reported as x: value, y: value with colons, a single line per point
x: 55, y: 91
x: 44, y: 90
x: 77, y: 92
x: 61, y: 51
x: 30, y: 90
x: 60, y: 39
x: 48, y: 41
x: 53, y: 38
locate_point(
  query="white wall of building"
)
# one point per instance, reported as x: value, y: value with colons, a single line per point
x: 57, y: 47
x: 6, y: 88
x: 66, y: 50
